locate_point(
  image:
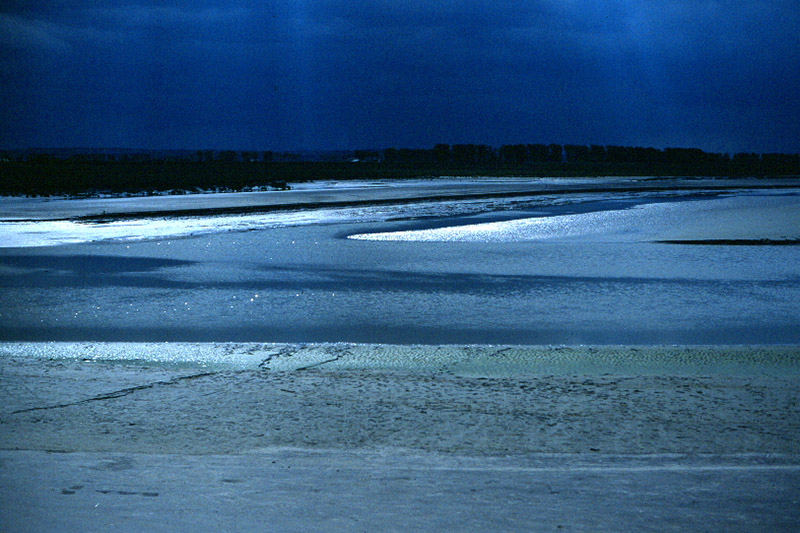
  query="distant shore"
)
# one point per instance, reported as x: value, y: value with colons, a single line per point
x: 52, y: 176
x: 357, y: 193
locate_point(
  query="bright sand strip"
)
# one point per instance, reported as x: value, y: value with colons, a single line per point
x: 486, y: 361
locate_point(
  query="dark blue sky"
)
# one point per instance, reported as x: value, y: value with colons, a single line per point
x: 337, y: 74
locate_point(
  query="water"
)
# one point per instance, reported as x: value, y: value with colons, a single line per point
x: 742, y: 216
x: 310, y: 283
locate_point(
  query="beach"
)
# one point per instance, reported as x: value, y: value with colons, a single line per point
x: 384, y: 397
x: 364, y: 435
x: 400, y: 266
x: 624, y: 357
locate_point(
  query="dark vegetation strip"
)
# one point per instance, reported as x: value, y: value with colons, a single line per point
x: 44, y: 176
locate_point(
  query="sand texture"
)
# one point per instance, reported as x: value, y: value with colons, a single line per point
x: 337, y: 437
x: 349, y: 396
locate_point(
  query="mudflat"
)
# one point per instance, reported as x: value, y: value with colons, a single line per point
x: 469, y: 400
x: 442, y: 438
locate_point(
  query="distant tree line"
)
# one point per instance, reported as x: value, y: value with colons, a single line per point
x: 71, y: 171
x: 598, y: 159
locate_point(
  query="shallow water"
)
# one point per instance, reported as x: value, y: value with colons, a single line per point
x: 761, y: 215
x: 312, y: 284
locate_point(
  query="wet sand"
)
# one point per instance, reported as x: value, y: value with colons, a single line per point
x: 480, y: 401
x: 356, y: 490
x: 362, y: 436
x: 302, y: 437
x: 358, y: 193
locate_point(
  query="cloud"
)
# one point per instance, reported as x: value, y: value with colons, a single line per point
x: 19, y: 33
x: 370, y: 73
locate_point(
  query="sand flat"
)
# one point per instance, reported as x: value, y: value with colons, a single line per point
x: 352, y: 490
x: 348, y: 437
x: 475, y: 400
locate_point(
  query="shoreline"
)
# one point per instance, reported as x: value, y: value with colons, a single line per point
x: 348, y: 436
x: 475, y: 360
x: 108, y: 209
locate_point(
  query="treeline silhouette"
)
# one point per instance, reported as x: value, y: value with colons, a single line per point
x: 43, y: 172
x: 596, y: 160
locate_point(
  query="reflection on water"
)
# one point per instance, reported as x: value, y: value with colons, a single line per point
x: 308, y: 284
x: 759, y: 216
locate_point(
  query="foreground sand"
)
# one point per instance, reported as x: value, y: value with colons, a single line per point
x: 355, y: 436
x: 374, y: 490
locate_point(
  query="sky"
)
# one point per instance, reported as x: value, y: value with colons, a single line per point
x: 718, y: 75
